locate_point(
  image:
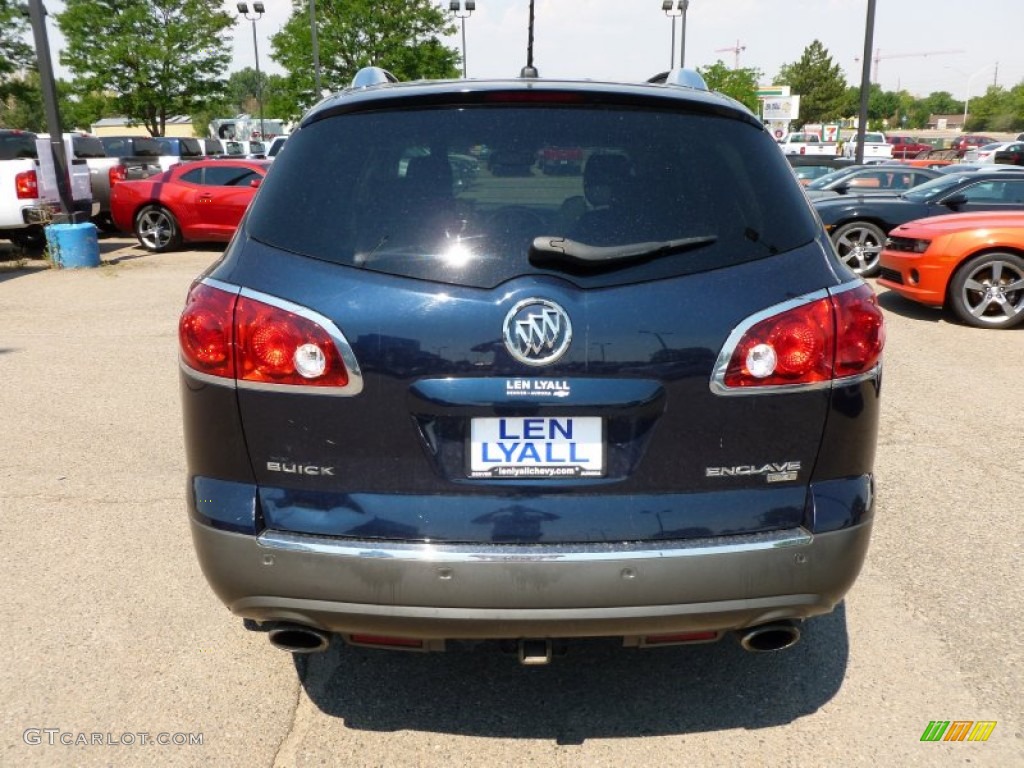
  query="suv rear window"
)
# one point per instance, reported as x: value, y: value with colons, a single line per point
x: 457, y: 195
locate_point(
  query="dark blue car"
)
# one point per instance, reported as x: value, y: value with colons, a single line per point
x: 858, y: 224
x: 423, y: 406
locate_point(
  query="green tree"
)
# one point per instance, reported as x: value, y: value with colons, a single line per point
x: 22, y: 105
x: 997, y: 110
x: 157, y: 59
x: 279, y: 100
x: 15, y: 54
x: 935, y: 103
x: 402, y: 36
x: 819, y: 82
x: 740, y: 84
x: 242, y: 91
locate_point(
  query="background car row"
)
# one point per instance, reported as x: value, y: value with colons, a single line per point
x: 971, y: 264
x: 859, y: 224
x: 199, y: 201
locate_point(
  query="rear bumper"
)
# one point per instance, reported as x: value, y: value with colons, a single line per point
x: 43, y: 213
x: 505, y: 591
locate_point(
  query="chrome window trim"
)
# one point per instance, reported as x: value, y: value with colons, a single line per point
x: 221, y: 285
x: 288, y: 541
x: 717, y: 383
x: 348, y: 357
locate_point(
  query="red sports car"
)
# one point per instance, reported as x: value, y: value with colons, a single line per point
x: 198, y: 201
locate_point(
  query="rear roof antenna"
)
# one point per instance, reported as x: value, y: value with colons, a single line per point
x: 529, y: 70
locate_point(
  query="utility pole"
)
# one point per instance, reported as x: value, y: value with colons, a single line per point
x: 37, y: 14
x: 865, y: 82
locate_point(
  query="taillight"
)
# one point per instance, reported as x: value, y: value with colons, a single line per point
x: 117, y: 173
x: 205, y: 331
x: 831, y: 337
x: 280, y: 347
x: 860, y: 331
x: 236, y: 336
x: 793, y: 347
x: 27, y: 185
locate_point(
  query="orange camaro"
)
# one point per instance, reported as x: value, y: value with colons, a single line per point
x: 972, y: 263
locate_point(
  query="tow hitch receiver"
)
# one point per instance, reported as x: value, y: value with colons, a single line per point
x: 534, y: 653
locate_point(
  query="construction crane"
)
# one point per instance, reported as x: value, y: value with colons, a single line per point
x: 736, y: 49
x: 879, y: 56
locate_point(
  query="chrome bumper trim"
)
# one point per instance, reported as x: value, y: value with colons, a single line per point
x: 569, y: 553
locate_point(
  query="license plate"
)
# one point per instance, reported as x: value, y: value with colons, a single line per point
x: 537, y: 447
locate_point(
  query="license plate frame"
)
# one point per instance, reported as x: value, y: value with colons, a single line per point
x: 536, y: 448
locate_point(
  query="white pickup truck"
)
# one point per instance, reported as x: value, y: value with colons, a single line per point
x: 806, y: 143
x: 27, y: 202
x: 876, y: 147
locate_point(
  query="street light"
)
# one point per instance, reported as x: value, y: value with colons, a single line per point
x: 967, y: 96
x: 316, y: 51
x: 258, y: 10
x: 674, y: 8
x: 462, y: 10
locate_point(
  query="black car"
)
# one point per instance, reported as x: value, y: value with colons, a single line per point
x: 886, y: 178
x: 640, y: 402
x: 858, y: 225
x: 1012, y: 154
x: 807, y: 168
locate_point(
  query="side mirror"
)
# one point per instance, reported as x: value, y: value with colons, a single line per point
x: 956, y: 200
x: 842, y: 187
x: 255, y: 183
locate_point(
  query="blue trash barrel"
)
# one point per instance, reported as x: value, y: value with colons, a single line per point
x: 73, y: 245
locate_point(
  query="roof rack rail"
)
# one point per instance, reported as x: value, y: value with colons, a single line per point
x: 368, y: 76
x: 685, y: 78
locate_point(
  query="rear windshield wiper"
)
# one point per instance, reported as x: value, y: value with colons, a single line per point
x: 549, y: 250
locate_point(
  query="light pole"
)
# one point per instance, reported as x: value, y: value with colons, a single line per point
x: 258, y: 10
x: 317, y: 95
x: 462, y: 10
x: 967, y: 96
x: 674, y: 8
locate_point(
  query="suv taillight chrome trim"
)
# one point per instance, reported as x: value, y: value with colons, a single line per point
x: 717, y: 383
x: 345, y: 352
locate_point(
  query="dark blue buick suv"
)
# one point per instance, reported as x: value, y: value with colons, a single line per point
x: 432, y: 393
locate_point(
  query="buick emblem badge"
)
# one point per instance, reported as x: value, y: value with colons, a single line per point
x: 537, y: 331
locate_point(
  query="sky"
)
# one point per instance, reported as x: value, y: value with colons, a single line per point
x: 631, y: 39
x: 922, y: 47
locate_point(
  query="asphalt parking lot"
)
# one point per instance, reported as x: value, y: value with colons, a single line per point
x: 118, y: 643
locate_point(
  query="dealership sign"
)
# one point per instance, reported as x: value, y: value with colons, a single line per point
x: 785, y: 108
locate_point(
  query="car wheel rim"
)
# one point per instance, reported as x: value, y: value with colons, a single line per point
x: 859, y: 249
x: 994, y: 292
x: 155, y: 229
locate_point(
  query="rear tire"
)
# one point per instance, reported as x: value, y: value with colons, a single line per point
x: 859, y: 244
x: 157, y: 229
x: 32, y: 239
x: 105, y: 223
x: 988, y: 291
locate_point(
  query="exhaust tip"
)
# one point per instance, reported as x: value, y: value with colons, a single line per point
x: 296, y: 638
x: 776, y: 636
